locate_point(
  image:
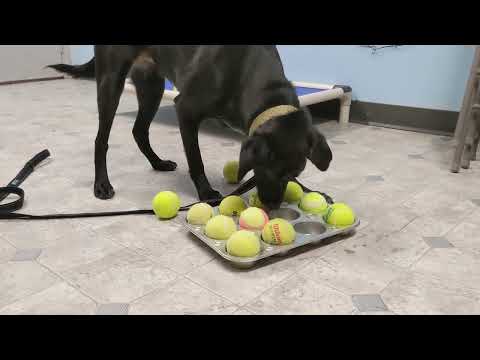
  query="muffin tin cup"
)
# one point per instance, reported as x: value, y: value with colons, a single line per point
x: 310, y: 229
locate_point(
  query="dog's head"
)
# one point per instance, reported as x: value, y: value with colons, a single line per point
x: 278, y: 151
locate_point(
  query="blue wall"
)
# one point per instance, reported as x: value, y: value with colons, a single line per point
x: 425, y: 76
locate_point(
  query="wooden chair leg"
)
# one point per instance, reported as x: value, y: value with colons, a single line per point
x: 468, y: 152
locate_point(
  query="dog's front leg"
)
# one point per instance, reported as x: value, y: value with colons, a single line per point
x: 189, y: 127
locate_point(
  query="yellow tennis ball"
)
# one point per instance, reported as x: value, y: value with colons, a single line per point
x: 230, y: 172
x: 293, y: 193
x: 166, y: 205
x: 314, y: 203
x: 232, y: 206
x: 340, y: 215
x: 199, y: 214
x: 220, y: 227
x: 253, y: 219
x: 243, y: 243
x: 278, y: 232
x: 254, y: 200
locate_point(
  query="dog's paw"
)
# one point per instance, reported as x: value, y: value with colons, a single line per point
x: 164, y: 165
x: 210, y: 195
x: 103, y: 190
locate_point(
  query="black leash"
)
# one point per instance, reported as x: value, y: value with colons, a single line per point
x: 7, y: 211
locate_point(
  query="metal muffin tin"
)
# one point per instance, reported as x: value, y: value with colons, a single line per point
x: 311, y: 229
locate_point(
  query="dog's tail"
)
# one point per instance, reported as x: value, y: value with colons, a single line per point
x: 85, y: 71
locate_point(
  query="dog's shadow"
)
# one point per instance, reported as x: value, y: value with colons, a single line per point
x: 167, y: 115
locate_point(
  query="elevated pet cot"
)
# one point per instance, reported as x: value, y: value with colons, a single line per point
x: 308, y: 94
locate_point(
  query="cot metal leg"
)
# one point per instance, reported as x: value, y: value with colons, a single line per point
x: 345, y: 105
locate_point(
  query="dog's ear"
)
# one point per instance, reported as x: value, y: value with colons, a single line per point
x: 254, y: 152
x: 320, y: 154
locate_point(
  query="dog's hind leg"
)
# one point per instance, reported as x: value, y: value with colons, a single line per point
x: 110, y: 73
x: 149, y: 88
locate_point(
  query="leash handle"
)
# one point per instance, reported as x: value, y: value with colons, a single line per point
x: 13, y: 186
x: 27, y: 169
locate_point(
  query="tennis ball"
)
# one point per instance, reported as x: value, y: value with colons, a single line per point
x: 293, y: 193
x: 232, y: 206
x: 254, y: 200
x: 253, y: 219
x: 278, y: 232
x: 314, y: 203
x: 166, y: 205
x: 220, y: 227
x: 340, y: 215
x: 243, y: 243
x: 199, y: 214
x: 230, y: 172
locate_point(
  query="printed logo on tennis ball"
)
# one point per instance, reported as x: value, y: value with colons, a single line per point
x: 293, y: 193
x: 230, y: 172
x: 314, y: 203
x: 199, y: 214
x: 278, y: 232
x: 243, y: 243
x: 340, y: 215
x: 165, y: 205
x: 220, y: 227
x: 232, y: 206
x: 253, y: 219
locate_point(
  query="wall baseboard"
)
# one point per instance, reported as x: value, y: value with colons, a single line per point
x: 439, y: 122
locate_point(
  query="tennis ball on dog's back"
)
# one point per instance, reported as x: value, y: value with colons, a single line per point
x: 166, y: 205
x: 278, y: 232
x: 293, y: 193
x: 230, y: 172
x: 232, y: 206
x: 243, y: 243
x: 253, y: 219
x: 340, y: 215
x: 314, y: 203
x: 199, y: 214
x: 220, y: 227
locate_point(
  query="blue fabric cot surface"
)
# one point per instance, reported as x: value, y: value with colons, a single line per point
x: 300, y: 90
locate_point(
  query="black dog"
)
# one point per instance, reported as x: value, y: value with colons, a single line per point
x: 244, y: 85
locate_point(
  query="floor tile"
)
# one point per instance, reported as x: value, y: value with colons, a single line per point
x: 21, y: 279
x: 241, y: 286
x: 120, y: 277
x: 183, y: 297
x: 78, y: 249
x: 59, y: 299
x: 455, y: 265
x: 26, y: 255
x: 113, y: 309
x: 7, y: 251
x: 369, y: 303
x: 38, y: 234
x: 243, y: 311
x: 300, y: 295
x: 438, y: 242
x: 164, y: 242
x: 352, y: 271
x: 466, y: 234
x: 420, y: 294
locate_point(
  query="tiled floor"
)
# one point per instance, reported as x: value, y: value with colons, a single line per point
x: 416, y: 252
